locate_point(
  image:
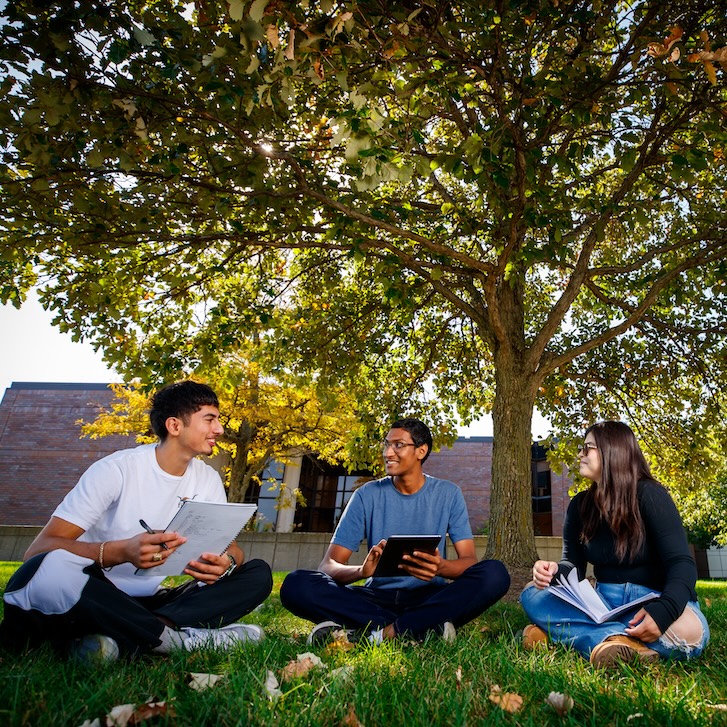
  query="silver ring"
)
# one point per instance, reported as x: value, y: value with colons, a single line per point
x: 156, y: 557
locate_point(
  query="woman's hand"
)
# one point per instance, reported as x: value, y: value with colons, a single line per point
x: 543, y: 572
x: 643, y: 627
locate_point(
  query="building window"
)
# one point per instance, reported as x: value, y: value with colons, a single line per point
x: 541, y: 492
x: 327, y: 490
x: 265, y: 496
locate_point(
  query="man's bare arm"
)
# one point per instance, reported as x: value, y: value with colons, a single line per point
x: 335, y: 563
x: 60, y: 534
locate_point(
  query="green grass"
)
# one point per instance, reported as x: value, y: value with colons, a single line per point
x: 396, y: 684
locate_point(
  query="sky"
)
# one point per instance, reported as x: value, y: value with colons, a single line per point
x: 34, y: 350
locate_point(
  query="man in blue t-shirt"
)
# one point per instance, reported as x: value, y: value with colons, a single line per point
x: 433, y: 593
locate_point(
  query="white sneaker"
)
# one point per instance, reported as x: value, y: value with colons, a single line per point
x: 223, y: 638
x: 94, y: 649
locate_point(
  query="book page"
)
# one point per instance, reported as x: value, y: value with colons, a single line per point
x: 584, y: 597
x: 209, y: 527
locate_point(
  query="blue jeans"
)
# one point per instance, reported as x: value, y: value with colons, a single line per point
x: 565, y: 624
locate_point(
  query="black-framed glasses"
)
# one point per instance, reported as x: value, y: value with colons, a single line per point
x: 396, y: 446
x: 586, y: 448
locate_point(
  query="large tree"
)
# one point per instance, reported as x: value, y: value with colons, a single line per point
x: 502, y: 203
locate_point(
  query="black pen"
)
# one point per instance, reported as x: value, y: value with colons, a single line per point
x: 151, y: 532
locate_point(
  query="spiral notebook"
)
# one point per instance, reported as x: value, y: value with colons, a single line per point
x: 210, y: 527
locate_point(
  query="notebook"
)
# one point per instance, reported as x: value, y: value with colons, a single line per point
x: 210, y: 527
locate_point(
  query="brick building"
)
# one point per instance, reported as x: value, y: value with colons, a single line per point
x: 41, y: 452
x: 42, y: 456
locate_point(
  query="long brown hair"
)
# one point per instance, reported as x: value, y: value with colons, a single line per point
x: 613, y: 498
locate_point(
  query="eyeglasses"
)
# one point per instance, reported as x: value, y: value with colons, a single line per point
x: 397, y: 446
x: 586, y: 448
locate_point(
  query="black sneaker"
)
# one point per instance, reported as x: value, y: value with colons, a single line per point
x: 327, y: 630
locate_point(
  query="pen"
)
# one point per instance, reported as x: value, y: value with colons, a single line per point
x: 151, y: 532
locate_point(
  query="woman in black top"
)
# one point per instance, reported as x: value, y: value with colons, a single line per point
x: 627, y: 526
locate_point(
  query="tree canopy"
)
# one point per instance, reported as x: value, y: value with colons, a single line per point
x: 444, y: 206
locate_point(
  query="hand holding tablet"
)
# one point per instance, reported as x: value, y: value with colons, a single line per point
x: 397, y: 546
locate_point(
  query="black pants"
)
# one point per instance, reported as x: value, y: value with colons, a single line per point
x: 58, y: 596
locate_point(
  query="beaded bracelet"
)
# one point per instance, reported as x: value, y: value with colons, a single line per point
x: 100, y: 556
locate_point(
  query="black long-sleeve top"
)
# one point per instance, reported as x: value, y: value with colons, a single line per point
x: 663, y: 564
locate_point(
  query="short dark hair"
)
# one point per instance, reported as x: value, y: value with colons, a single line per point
x: 181, y: 400
x: 419, y: 431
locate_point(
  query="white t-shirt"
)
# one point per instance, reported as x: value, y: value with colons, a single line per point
x: 119, y: 490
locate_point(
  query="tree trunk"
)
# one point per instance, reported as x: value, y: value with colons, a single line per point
x: 511, y: 537
x: 240, y: 474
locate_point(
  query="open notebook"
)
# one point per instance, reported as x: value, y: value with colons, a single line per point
x: 210, y: 527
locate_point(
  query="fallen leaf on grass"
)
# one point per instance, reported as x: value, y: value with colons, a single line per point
x: 340, y: 642
x: 634, y: 716
x: 458, y: 677
x: 300, y: 667
x: 351, y: 720
x: 200, y: 681
x: 561, y: 703
x: 507, y: 701
x: 129, y: 714
x: 718, y: 707
x: 271, y: 686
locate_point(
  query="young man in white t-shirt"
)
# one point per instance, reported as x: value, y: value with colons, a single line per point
x: 78, y: 587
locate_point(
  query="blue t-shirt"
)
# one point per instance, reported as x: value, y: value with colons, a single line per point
x: 377, y: 510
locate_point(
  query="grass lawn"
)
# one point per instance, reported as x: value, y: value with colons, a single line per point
x: 395, y: 684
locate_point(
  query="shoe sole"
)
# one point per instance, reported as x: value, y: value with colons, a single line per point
x: 614, y: 654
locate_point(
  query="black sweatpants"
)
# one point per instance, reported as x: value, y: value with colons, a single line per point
x: 57, y: 596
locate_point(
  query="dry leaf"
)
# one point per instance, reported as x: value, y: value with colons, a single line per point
x: 290, y: 48
x: 458, y: 677
x: 351, y: 720
x: 507, y: 701
x: 271, y: 686
x: 120, y: 715
x: 271, y: 33
x: 129, y: 714
x: 301, y: 666
x: 340, y: 642
x: 561, y: 703
x: 659, y: 50
x: 634, y: 716
x: 150, y: 710
x: 200, y: 681
x: 717, y: 707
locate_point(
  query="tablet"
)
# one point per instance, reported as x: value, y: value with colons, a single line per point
x: 398, y: 546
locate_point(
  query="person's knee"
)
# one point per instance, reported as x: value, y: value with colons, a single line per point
x: 258, y: 577
x: 492, y: 577
x: 50, y: 582
x: 687, y: 634
x: 295, y: 587
x: 496, y: 577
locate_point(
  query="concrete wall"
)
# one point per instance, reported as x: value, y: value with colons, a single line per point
x: 284, y: 551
